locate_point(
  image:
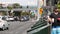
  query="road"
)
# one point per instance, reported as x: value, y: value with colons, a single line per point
x: 17, y: 27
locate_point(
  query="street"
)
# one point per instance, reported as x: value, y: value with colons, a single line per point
x: 17, y: 27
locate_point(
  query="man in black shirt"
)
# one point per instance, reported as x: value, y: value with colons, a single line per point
x: 54, y: 18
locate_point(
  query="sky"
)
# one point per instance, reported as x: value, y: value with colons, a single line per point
x: 21, y: 2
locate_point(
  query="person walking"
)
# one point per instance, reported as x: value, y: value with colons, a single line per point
x: 54, y: 18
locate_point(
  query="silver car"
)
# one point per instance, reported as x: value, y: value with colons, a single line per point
x: 3, y: 23
x: 24, y: 18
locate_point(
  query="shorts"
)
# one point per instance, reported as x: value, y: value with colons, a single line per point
x: 55, y: 30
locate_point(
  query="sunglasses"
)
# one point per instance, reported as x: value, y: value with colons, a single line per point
x: 55, y: 11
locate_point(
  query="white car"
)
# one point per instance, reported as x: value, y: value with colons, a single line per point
x: 3, y: 23
x: 9, y: 18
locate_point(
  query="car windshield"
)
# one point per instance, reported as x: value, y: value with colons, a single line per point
x: 3, y: 18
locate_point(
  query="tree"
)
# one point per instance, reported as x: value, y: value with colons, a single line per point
x: 58, y: 4
x: 17, y: 13
x: 16, y: 5
x: 10, y: 8
x: 25, y: 13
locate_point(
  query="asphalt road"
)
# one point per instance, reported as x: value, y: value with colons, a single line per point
x: 17, y: 27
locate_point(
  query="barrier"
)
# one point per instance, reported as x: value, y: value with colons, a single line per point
x: 41, y: 27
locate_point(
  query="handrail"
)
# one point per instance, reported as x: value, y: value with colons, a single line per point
x: 38, y: 26
x: 39, y: 29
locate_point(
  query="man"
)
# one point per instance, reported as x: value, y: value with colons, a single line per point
x: 54, y: 18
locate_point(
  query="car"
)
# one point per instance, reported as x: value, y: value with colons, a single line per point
x: 24, y: 18
x: 16, y: 18
x: 3, y: 23
x: 9, y: 18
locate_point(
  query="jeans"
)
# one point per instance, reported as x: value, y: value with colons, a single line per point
x: 55, y: 30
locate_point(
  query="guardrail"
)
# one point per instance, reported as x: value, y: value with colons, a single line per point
x: 42, y: 27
